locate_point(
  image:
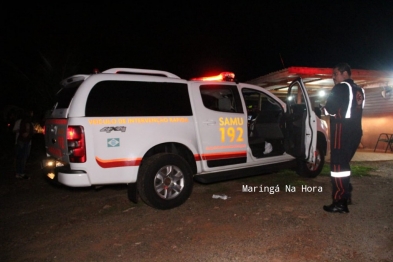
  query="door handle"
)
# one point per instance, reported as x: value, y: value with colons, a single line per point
x: 209, y: 122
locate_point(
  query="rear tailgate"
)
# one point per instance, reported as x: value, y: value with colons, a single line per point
x: 56, y: 138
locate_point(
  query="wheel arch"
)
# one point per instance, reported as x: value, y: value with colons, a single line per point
x: 174, y: 148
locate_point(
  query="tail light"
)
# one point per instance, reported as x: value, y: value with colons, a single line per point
x: 76, y: 144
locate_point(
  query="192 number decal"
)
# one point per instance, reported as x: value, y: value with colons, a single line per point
x: 234, y: 135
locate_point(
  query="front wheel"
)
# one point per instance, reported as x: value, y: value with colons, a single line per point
x: 165, y: 181
x: 306, y: 169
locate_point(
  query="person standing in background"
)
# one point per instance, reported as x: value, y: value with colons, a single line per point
x: 23, y: 143
x: 345, y: 106
x: 16, y: 129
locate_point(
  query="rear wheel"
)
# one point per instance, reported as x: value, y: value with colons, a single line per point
x: 306, y: 169
x: 165, y: 181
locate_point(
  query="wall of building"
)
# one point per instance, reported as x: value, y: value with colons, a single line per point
x: 373, y: 126
x: 377, y: 119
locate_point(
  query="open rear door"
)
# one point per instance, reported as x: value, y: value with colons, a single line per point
x: 301, y: 123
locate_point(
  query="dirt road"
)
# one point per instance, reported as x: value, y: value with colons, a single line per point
x: 40, y: 222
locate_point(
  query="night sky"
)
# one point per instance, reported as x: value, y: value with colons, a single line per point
x: 42, y: 44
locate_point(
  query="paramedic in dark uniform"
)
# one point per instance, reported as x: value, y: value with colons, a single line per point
x: 345, y: 106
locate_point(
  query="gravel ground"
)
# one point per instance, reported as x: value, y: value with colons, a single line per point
x: 40, y: 222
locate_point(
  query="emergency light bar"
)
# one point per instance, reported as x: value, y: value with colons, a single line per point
x: 224, y: 76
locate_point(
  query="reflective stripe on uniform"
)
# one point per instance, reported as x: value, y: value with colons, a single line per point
x: 340, y: 174
x: 348, y: 114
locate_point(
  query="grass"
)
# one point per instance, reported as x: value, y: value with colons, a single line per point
x: 325, y: 170
x: 360, y: 171
x: 356, y: 170
x: 289, y: 177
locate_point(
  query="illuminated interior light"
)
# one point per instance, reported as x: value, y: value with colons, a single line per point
x: 51, y: 175
x: 321, y: 93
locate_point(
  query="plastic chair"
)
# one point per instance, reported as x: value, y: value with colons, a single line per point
x: 386, y: 138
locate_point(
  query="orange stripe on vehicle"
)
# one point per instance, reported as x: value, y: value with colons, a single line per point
x: 120, y: 162
x: 224, y: 155
x: 197, y: 157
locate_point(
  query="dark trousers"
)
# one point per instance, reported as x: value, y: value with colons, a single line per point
x: 344, y: 141
x: 22, y: 153
x: 341, y: 188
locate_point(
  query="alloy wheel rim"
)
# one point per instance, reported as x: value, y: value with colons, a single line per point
x: 169, y: 182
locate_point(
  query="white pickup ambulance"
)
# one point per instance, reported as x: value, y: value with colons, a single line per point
x: 158, y: 133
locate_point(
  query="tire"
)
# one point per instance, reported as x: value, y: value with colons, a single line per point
x: 165, y: 181
x: 310, y: 170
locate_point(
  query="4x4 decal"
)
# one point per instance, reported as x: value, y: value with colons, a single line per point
x: 109, y: 129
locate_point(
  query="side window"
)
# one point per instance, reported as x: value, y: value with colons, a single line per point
x: 296, y: 101
x: 258, y: 102
x: 131, y: 98
x: 222, y: 98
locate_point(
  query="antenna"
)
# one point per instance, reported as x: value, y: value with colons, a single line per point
x: 282, y: 61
